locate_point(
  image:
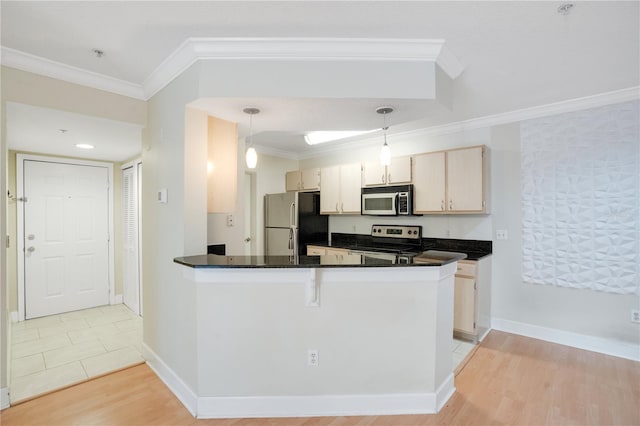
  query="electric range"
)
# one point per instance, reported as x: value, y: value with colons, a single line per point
x: 394, y: 243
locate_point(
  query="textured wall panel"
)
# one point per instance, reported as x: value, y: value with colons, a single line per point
x: 580, y: 199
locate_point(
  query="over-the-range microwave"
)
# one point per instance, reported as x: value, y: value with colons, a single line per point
x: 388, y: 200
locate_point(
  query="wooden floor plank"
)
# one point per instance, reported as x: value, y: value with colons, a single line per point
x: 510, y: 380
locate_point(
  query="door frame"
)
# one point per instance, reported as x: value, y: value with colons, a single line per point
x: 136, y: 164
x: 20, y: 158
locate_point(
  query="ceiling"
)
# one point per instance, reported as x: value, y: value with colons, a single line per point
x: 515, y: 54
x: 49, y: 131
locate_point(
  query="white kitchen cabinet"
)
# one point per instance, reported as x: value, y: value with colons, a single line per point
x: 472, y: 299
x: 398, y: 172
x: 342, y: 256
x: 450, y: 182
x: 465, y: 180
x: 293, y: 180
x: 316, y: 251
x: 429, y: 183
x: 340, y: 189
x: 303, y: 180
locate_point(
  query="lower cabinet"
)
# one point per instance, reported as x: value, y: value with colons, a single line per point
x: 341, y: 255
x: 316, y: 251
x: 472, y: 299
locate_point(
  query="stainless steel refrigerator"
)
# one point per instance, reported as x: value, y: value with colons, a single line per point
x: 292, y: 220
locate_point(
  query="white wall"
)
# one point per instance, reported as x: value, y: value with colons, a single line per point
x: 580, y: 311
x: 174, y: 229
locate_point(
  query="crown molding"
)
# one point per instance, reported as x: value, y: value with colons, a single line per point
x: 571, y: 105
x: 38, y: 65
x: 194, y: 49
x: 267, y: 150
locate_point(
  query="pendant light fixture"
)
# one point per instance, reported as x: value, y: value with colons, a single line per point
x: 385, y: 153
x: 251, y: 157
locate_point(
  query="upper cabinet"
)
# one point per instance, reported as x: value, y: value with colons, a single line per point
x: 303, y: 180
x: 340, y: 189
x: 450, y: 181
x: 398, y: 172
x: 466, y: 180
x: 429, y: 188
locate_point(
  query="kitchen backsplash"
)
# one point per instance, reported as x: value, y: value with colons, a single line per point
x: 468, y: 227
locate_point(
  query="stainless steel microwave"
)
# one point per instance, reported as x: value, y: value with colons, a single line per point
x: 388, y: 200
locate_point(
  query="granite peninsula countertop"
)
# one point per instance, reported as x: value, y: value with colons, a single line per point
x: 427, y: 258
x: 474, y: 249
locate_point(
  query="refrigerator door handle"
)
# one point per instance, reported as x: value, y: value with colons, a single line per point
x: 290, y: 245
x: 292, y: 213
x: 294, y: 240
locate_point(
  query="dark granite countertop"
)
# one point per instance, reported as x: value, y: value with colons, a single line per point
x: 428, y: 258
x: 474, y: 249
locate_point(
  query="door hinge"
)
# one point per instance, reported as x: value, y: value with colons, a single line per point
x: 108, y: 236
x: 8, y: 241
x: 475, y: 286
x: 474, y: 324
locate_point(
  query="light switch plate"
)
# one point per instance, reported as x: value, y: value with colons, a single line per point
x: 162, y: 196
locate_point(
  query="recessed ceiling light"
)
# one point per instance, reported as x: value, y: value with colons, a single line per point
x: 84, y: 146
x: 314, y: 138
x: 63, y: 131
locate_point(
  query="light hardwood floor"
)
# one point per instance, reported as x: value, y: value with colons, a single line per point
x: 509, y: 380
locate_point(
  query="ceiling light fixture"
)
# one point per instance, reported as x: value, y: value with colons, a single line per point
x: 385, y: 153
x: 251, y: 157
x: 84, y: 146
x: 314, y: 138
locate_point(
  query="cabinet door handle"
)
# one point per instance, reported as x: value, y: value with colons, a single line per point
x: 382, y: 178
x: 442, y: 205
x: 337, y: 207
x: 341, y: 207
x: 450, y: 204
x: 389, y: 178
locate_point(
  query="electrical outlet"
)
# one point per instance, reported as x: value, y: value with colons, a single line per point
x: 312, y: 357
x: 502, y: 234
x: 635, y: 315
x: 229, y: 220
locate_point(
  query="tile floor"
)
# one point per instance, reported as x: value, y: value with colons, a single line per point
x: 53, y: 352
x: 461, y: 349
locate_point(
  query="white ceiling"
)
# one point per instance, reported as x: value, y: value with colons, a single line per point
x: 35, y: 129
x: 515, y: 54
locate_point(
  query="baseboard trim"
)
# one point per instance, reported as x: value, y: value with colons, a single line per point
x: 324, y: 405
x: 117, y: 299
x: 567, y: 338
x: 4, y: 398
x: 180, y: 389
x: 298, y: 406
x: 445, y: 391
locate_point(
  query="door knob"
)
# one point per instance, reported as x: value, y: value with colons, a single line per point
x: 31, y: 237
x: 31, y: 249
x: 246, y: 240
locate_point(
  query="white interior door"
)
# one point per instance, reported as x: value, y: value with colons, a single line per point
x: 130, y: 235
x: 66, y: 237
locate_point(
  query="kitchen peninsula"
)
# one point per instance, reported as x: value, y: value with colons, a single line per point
x: 314, y: 335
